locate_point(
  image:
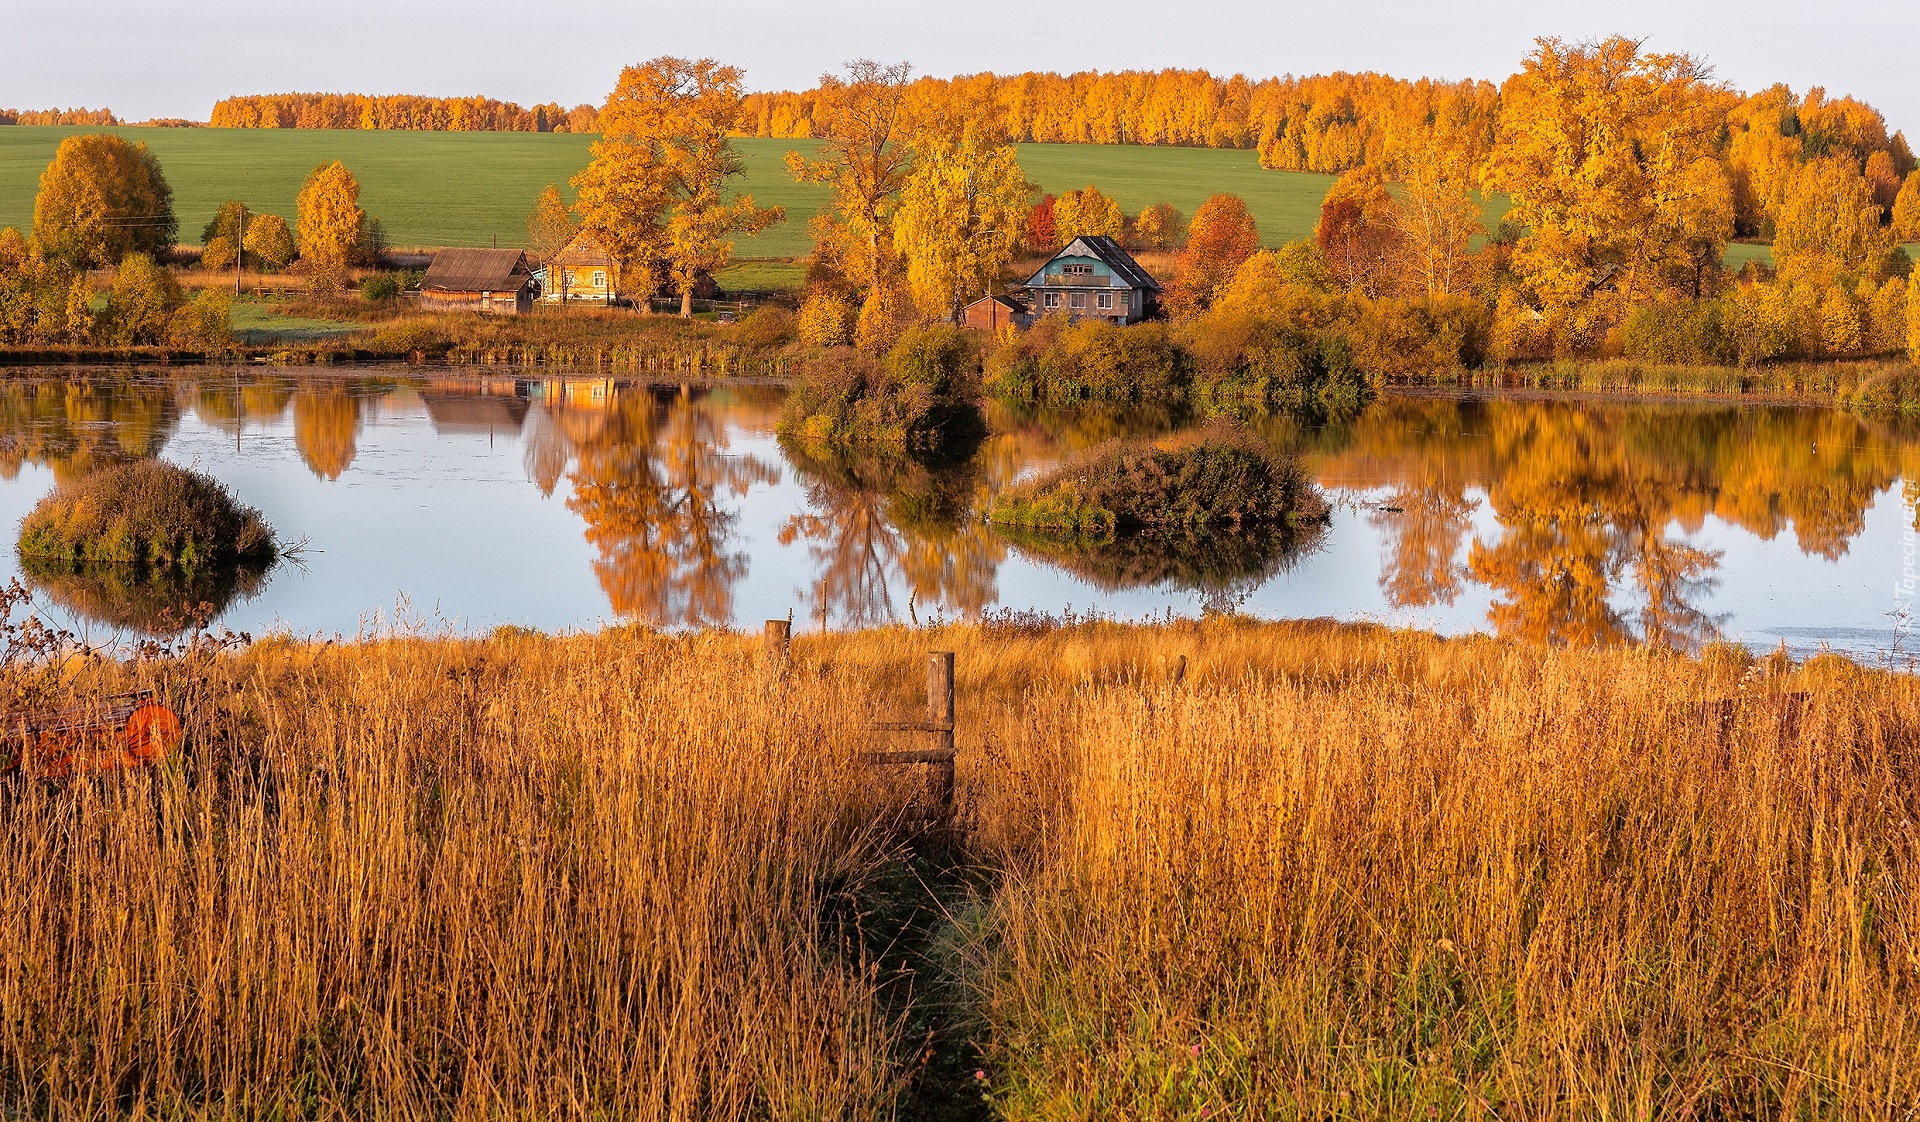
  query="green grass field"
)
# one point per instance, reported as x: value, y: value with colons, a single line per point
x: 435, y: 189
x: 467, y: 188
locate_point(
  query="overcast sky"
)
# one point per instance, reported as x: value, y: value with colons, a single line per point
x: 163, y: 58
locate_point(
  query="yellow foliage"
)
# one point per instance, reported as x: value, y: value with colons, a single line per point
x: 861, y: 123
x: 330, y: 222
x: 962, y: 213
x: 101, y: 199
x: 1086, y: 211
x: 1597, y: 150
x: 826, y: 319
x: 1840, y: 326
x: 1906, y: 210
x: 657, y: 185
x: 1829, y: 225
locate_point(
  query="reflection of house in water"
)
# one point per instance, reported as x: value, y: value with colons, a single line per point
x: 474, y: 413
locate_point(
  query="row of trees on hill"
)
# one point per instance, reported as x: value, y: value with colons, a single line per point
x: 398, y: 111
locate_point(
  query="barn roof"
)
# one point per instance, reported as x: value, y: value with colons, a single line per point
x: 476, y: 270
x: 1007, y: 302
x: 1107, y: 251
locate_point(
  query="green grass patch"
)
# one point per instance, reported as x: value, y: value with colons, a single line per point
x: 452, y: 188
x: 761, y: 276
x: 257, y: 324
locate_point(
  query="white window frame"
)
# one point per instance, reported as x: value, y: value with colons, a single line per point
x: 1077, y: 301
x: 599, y: 278
x: 1104, y: 300
x: 1053, y: 299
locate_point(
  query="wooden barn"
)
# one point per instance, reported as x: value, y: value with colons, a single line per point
x: 991, y: 313
x: 583, y: 272
x: 495, y: 281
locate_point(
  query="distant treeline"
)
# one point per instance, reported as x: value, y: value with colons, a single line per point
x: 80, y: 116
x: 1325, y: 123
x: 398, y: 111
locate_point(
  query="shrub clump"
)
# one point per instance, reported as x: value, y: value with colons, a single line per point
x: 924, y: 393
x: 147, y: 512
x: 1220, y: 477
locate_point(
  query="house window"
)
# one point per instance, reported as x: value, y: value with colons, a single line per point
x: 1079, y: 270
x: 1053, y: 299
x: 599, y: 278
x: 1078, y: 300
x: 1105, y: 300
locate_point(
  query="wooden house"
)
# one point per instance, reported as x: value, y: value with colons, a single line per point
x: 478, y: 280
x: 1092, y: 278
x: 991, y: 313
x: 583, y: 272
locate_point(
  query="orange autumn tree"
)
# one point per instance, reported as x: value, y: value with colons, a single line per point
x: 1596, y: 143
x: 1220, y: 239
x: 1357, y: 234
x: 658, y: 185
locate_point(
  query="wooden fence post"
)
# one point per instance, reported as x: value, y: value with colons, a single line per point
x: 940, y: 718
x: 778, y: 637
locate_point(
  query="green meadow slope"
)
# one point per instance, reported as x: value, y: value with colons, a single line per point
x: 442, y: 188
x: 468, y: 188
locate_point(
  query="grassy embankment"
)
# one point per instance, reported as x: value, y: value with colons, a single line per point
x: 1338, y: 872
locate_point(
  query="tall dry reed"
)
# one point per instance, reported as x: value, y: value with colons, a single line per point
x: 531, y: 878
x: 1333, y: 872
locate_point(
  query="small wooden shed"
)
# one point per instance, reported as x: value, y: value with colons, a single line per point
x: 495, y: 281
x: 991, y: 313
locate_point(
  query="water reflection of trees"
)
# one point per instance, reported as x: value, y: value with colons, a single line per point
x: 1588, y: 498
x: 649, y: 476
x: 873, y: 519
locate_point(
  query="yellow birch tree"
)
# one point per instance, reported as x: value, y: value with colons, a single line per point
x: 101, y: 199
x: 330, y: 222
x: 1086, y: 211
x: 1593, y: 137
x: 962, y: 213
x: 861, y: 122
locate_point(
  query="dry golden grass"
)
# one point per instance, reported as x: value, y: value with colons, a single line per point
x: 587, y: 878
x: 1338, y: 872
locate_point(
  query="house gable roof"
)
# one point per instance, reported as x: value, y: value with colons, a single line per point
x: 1006, y: 302
x: 584, y: 249
x: 477, y: 270
x: 1107, y: 252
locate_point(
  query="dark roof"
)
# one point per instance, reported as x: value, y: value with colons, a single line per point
x: 1108, y: 252
x: 1006, y: 302
x: 477, y: 270
x: 474, y: 413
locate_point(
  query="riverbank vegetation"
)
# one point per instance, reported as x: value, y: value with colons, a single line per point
x: 1326, y: 870
x: 923, y: 395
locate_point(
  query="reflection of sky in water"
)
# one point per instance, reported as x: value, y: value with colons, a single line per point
x: 450, y: 522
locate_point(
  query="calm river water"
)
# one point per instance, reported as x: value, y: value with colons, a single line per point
x: 455, y: 500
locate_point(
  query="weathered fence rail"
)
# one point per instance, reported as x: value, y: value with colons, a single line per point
x: 939, y: 722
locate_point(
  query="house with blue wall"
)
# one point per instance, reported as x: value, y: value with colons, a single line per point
x: 1092, y: 278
